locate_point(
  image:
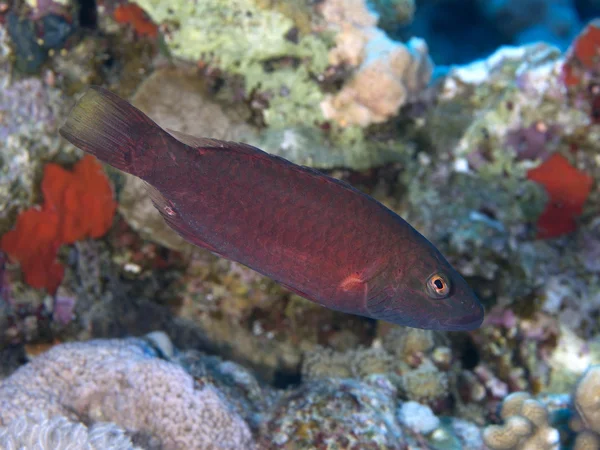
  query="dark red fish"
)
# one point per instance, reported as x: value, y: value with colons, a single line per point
x: 317, y: 236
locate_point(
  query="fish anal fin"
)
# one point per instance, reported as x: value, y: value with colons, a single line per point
x: 296, y: 291
x: 172, y: 218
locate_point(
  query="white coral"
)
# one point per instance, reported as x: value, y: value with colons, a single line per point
x: 121, y: 381
x: 388, y: 75
x: 37, y: 431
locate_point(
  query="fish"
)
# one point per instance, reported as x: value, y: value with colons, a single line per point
x: 315, y: 235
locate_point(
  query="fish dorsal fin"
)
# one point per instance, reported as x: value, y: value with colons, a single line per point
x: 216, y: 144
x: 196, y: 142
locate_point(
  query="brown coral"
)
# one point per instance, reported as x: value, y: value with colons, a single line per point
x: 525, y: 426
x: 586, y: 399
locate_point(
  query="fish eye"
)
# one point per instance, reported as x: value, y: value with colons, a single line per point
x: 438, y: 286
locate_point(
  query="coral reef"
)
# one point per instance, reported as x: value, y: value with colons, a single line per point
x: 467, y: 154
x: 59, y: 433
x: 31, y: 111
x: 239, y: 37
x: 388, y: 73
x: 526, y: 426
x: 77, y: 205
x: 587, y: 405
x: 103, y: 381
x: 408, y: 358
x: 339, y: 413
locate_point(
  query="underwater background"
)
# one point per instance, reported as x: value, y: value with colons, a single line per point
x: 478, y: 121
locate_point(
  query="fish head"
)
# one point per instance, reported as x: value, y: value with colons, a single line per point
x: 426, y: 292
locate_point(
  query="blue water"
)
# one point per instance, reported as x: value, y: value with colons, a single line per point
x: 459, y: 31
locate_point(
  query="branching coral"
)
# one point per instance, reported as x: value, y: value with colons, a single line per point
x: 77, y: 204
x: 124, y: 382
x: 525, y: 426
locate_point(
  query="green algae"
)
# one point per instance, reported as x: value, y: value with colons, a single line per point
x: 242, y: 38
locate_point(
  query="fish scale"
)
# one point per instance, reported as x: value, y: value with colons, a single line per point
x: 316, y: 235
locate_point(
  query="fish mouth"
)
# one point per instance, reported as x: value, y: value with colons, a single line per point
x: 465, y: 322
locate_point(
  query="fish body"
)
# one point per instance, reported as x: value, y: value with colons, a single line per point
x: 316, y: 235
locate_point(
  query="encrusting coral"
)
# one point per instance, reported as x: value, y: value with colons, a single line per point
x: 567, y: 195
x: 77, y: 204
x: 124, y: 382
x: 388, y: 75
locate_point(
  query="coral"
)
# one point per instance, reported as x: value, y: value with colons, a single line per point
x: 124, y: 382
x: 368, y: 361
x: 250, y: 399
x: 418, y: 417
x: 525, y: 426
x: 381, y: 86
x: 77, y: 205
x: 406, y: 343
x: 567, y: 195
x: 337, y: 413
x: 426, y: 384
x: 580, y: 66
x: 240, y: 38
x: 586, y: 399
x: 393, y: 13
x: 133, y: 15
x: 586, y: 440
x: 36, y: 38
x: 323, y: 362
x: 418, y: 378
x: 30, y: 112
x: 389, y: 73
x: 59, y: 433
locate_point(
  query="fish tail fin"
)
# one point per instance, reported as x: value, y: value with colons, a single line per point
x: 108, y: 127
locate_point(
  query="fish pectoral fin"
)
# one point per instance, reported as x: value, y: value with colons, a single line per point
x: 174, y: 219
x: 359, y: 280
x: 353, y: 282
x: 378, y: 301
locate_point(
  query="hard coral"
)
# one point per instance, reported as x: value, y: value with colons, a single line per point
x: 389, y: 73
x: 59, y: 433
x: 334, y: 413
x: 77, y: 204
x: 525, y: 426
x: 125, y: 382
x: 567, y: 194
x: 587, y: 400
